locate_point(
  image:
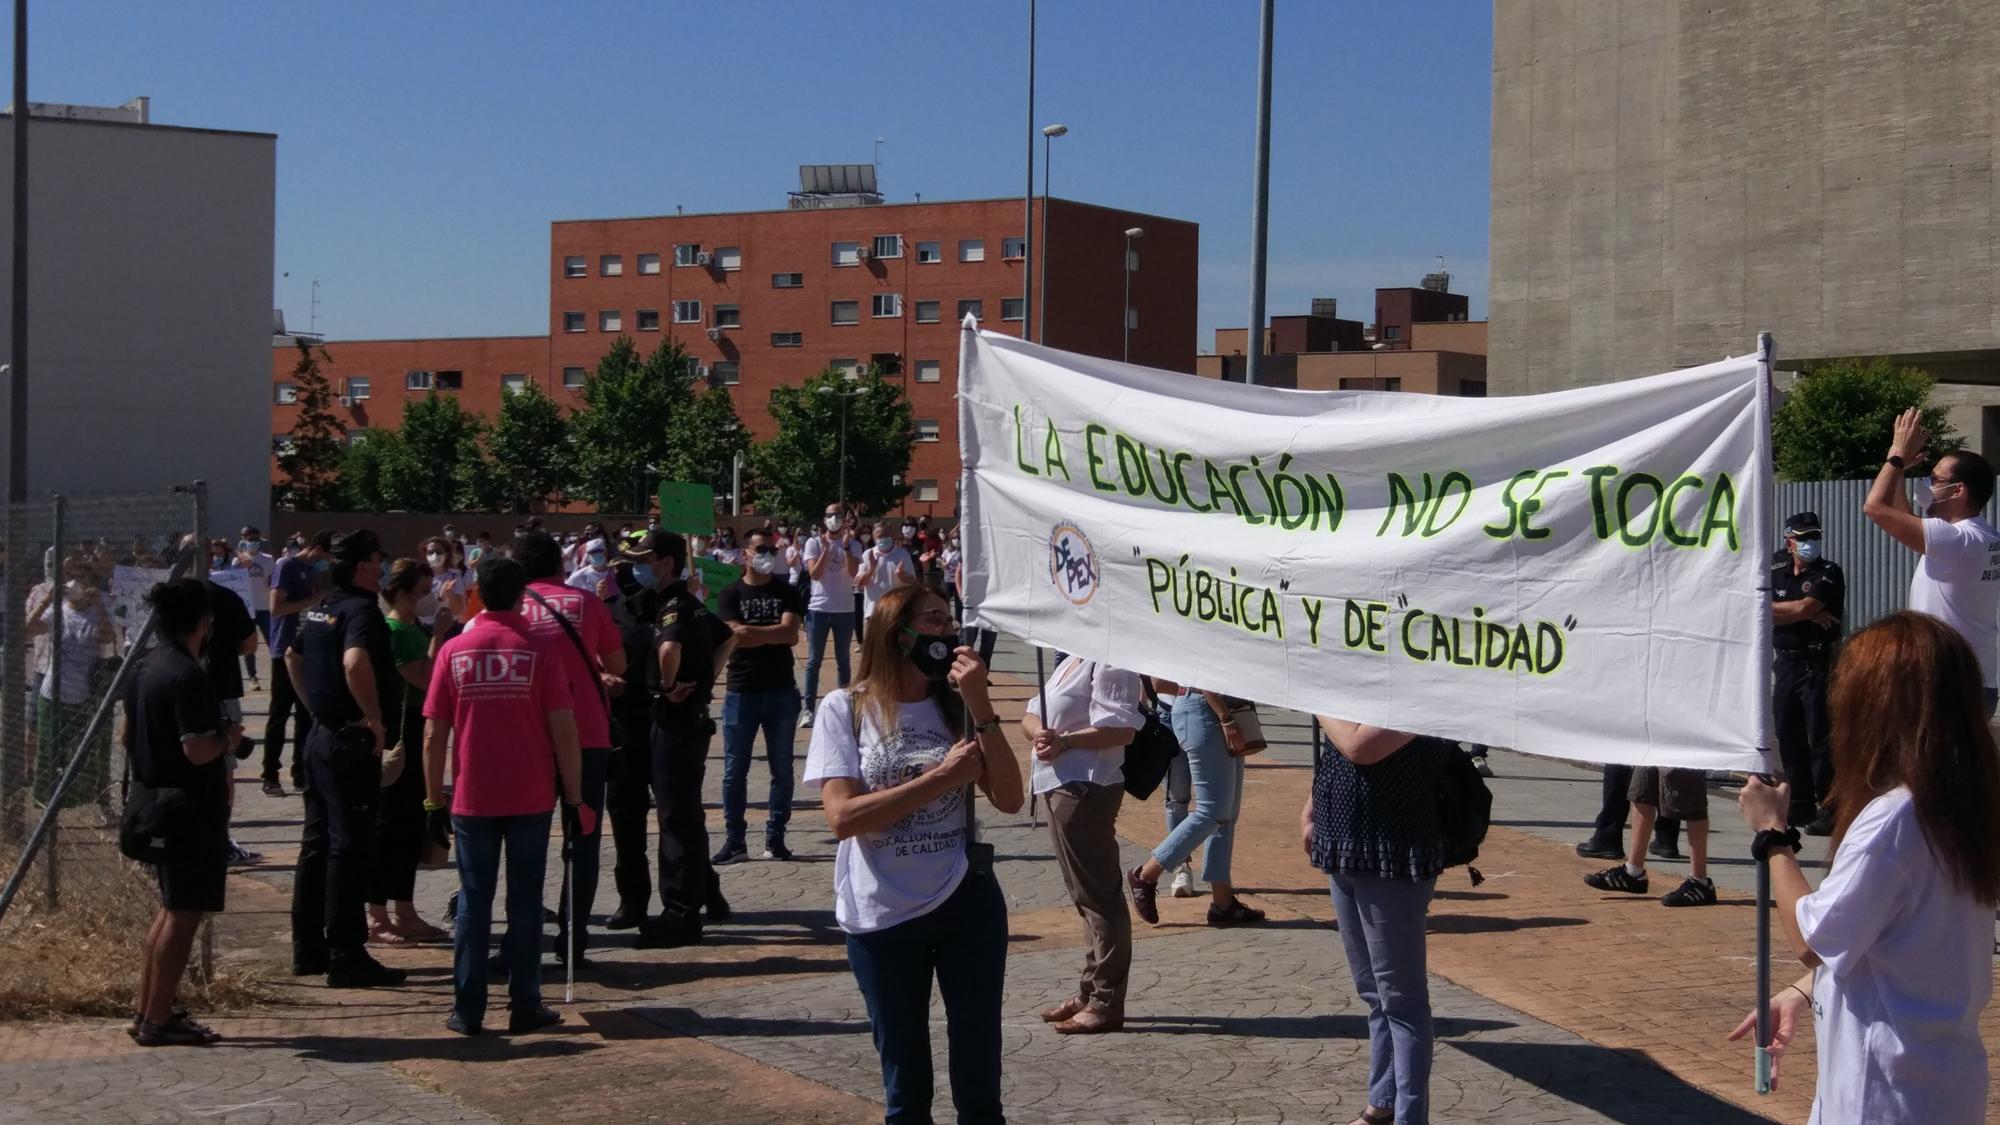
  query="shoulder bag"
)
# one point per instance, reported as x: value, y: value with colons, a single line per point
x: 1151, y: 752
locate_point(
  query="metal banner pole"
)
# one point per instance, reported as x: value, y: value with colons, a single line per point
x: 1766, y: 351
x: 54, y: 703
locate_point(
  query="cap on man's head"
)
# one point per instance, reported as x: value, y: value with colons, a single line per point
x: 249, y: 531
x: 356, y: 547
x: 655, y: 543
x: 595, y: 546
x: 1804, y: 523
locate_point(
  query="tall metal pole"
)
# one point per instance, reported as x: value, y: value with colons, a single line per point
x: 1042, y: 284
x: 1260, y: 227
x: 1766, y: 356
x: 1028, y: 197
x: 17, y: 384
x: 843, y: 452
x: 1125, y: 310
x: 57, y: 712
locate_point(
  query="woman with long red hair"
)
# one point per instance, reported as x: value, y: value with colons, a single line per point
x: 1899, y: 936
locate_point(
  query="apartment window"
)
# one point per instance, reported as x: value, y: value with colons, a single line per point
x: 1392, y: 332
x: 449, y: 381
x: 610, y: 320
x: 573, y: 266
x: 847, y: 253
x: 927, y: 429
x: 416, y: 380
x: 890, y: 364
x: 975, y: 309
x: 847, y: 312
x: 788, y: 281
x: 1013, y: 248
x: 1013, y: 308
x: 888, y: 246
x: 971, y: 249
x: 1363, y: 384
x: 284, y: 394
x: 610, y: 265
x: 927, y: 312
x: 728, y: 316
x: 649, y: 320
x: 788, y: 339
x: 729, y: 257
x: 924, y: 491
x: 1472, y: 388
x: 1132, y: 320
x: 929, y: 371
x: 851, y: 368
x: 649, y: 264
x: 573, y: 378
x: 572, y: 322
x: 887, y: 304
x: 929, y: 252
x: 687, y: 312
x: 684, y: 253
x: 725, y: 374
x: 357, y: 387
x: 514, y: 384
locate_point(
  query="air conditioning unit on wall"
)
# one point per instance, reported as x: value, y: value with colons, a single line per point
x: 703, y: 258
x: 346, y: 400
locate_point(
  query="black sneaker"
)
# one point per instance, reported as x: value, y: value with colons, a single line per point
x: 1235, y: 914
x: 626, y: 918
x: 454, y: 1023
x: 306, y: 965
x: 1597, y: 849
x: 1691, y: 892
x: 273, y: 789
x: 717, y: 907
x: 1618, y: 879
x: 666, y: 937
x: 1659, y: 849
x: 362, y: 971
x: 520, y: 1023
x: 730, y: 852
x: 451, y: 908
x: 1822, y: 825
x: 774, y: 848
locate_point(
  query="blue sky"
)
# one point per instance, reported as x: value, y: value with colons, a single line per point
x: 424, y: 146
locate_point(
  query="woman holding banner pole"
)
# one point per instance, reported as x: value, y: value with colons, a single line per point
x: 1212, y: 742
x: 1898, y: 936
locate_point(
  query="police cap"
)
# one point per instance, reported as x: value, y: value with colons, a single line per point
x: 1803, y: 524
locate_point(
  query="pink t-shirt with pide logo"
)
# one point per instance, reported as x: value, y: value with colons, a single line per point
x: 496, y: 683
x: 592, y: 621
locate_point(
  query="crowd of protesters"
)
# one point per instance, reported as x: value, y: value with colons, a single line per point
x: 482, y: 700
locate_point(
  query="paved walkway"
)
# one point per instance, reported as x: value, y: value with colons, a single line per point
x: 1555, y: 1004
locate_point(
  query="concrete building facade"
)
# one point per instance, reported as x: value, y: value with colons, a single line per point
x: 1671, y: 177
x: 764, y: 299
x: 149, y: 303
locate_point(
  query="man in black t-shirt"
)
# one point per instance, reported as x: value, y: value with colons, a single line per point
x: 629, y: 783
x: 685, y: 646
x: 232, y: 634
x: 762, y: 612
x: 343, y: 665
x: 175, y: 740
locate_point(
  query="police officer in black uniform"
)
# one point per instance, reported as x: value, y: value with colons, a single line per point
x: 685, y: 645
x: 347, y: 673
x: 628, y: 792
x: 1808, y: 600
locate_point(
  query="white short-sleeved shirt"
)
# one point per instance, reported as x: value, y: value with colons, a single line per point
x: 908, y: 869
x: 1084, y: 694
x: 833, y: 591
x: 893, y: 568
x: 1907, y: 967
x: 1958, y: 581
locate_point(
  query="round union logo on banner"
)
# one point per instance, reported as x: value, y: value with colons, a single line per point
x: 1072, y: 563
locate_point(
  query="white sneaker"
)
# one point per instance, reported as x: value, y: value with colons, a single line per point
x: 1183, y: 886
x: 240, y: 856
x: 1479, y: 765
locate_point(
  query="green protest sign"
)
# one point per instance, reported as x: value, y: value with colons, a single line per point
x: 715, y: 576
x: 687, y: 509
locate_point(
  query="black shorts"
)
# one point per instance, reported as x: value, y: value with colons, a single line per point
x: 195, y: 873
x: 1681, y: 794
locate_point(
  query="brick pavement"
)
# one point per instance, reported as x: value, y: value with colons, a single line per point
x: 764, y: 1024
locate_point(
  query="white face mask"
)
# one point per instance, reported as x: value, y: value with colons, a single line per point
x: 436, y: 560
x: 908, y: 531
x: 767, y: 564
x: 833, y: 523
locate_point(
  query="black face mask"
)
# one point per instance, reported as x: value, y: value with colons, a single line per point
x: 932, y: 653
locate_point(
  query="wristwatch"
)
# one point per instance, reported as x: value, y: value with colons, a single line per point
x: 1762, y: 843
x: 1894, y: 461
x: 987, y: 727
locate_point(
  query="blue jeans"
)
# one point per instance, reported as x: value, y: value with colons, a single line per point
x: 744, y: 713
x: 818, y: 624
x: 964, y: 944
x: 1382, y: 927
x: 1218, y: 791
x: 586, y: 855
x: 479, y: 841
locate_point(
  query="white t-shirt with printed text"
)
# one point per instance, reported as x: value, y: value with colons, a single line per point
x: 904, y: 871
x: 1958, y: 581
x: 1907, y: 966
x: 1085, y: 694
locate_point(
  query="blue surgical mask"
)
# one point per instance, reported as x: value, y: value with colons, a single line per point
x: 642, y: 573
x: 321, y: 566
x: 1808, y: 550
x: 885, y: 544
x: 597, y: 559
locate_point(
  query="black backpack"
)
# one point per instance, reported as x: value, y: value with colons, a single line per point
x: 1465, y: 808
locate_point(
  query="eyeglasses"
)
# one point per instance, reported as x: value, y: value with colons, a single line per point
x: 936, y: 617
x: 764, y: 549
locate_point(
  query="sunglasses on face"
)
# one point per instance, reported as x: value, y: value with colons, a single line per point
x: 764, y: 549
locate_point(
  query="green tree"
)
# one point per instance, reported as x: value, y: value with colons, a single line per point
x: 799, y: 469
x: 361, y: 472
x: 311, y: 458
x: 435, y: 465
x: 528, y: 450
x: 623, y: 437
x: 1836, y: 421
x: 707, y: 436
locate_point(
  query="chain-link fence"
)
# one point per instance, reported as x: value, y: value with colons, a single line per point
x: 73, y: 910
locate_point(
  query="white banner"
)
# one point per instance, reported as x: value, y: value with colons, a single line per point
x: 1576, y: 574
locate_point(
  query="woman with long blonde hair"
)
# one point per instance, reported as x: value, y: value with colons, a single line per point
x: 897, y: 759
x: 1898, y: 937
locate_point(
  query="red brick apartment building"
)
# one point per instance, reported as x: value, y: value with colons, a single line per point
x: 768, y: 298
